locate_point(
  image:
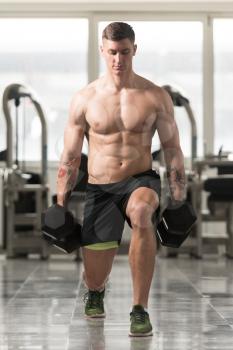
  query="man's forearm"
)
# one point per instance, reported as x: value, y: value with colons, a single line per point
x: 66, y: 178
x: 176, y: 174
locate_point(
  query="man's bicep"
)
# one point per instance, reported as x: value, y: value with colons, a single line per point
x: 166, y: 125
x: 167, y: 131
x: 73, y: 140
x: 75, y: 128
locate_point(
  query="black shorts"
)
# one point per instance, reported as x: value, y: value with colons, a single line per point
x: 105, y: 207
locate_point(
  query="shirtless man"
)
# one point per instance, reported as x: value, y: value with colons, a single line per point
x: 119, y: 114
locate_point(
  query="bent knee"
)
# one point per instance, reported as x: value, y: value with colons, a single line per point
x: 141, y: 213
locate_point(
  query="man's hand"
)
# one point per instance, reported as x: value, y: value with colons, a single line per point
x: 175, y: 204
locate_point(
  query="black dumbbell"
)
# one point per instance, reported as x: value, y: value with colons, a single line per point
x: 60, y: 228
x: 176, y: 224
x: 67, y: 244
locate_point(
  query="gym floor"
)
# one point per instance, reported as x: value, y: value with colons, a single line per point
x: 191, y: 303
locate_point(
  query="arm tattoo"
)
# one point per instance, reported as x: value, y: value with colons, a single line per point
x: 67, y: 176
x: 62, y: 172
x: 176, y: 181
x: 70, y: 162
x: 175, y: 175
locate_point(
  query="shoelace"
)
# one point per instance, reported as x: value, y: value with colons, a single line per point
x: 92, y: 298
x: 139, y: 317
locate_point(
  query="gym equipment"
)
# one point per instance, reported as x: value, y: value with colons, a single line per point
x: 25, y: 193
x: 67, y: 244
x: 219, y: 190
x: 176, y: 224
x: 60, y: 228
x: 1, y: 209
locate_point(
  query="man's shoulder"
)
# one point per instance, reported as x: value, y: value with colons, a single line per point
x: 87, y: 91
x: 150, y: 86
x: 155, y: 93
x: 83, y: 95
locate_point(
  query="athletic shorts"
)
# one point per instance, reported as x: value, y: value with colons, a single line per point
x: 105, y: 207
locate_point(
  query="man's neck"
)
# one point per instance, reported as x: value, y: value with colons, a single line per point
x: 123, y: 81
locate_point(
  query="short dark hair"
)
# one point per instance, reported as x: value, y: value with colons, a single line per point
x: 116, y: 31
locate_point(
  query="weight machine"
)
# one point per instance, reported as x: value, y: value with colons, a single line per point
x: 25, y: 194
x: 219, y: 191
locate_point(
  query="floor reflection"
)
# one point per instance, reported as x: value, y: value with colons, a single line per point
x: 190, y: 306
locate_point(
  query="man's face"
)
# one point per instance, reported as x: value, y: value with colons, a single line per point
x: 118, y: 55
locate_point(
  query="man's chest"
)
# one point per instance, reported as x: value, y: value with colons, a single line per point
x: 109, y: 114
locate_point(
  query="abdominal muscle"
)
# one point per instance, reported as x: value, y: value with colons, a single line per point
x: 115, y: 161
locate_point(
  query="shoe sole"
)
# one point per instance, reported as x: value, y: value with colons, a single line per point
x: 148, y: 334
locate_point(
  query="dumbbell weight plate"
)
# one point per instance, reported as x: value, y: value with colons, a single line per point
x: 176, y: 225
x: 57, y: 222
x: 69, y: 243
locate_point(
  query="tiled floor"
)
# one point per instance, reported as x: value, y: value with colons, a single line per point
x: 191, y: 306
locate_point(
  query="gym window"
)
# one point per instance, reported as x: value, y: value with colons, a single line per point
x: 223, y: 83
x: 50, y: 55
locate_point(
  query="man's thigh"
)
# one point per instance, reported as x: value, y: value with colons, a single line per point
x: 103, y: 221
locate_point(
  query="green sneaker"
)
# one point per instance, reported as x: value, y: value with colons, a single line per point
x: 94, y: 304
x: 140, y: 322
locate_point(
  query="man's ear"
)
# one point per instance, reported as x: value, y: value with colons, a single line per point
x: 102, y: 50
x: 135, y: 49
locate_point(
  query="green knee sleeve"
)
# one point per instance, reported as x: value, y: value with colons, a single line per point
x: 102, y: 246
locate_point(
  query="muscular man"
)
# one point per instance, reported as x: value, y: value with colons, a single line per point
x: 119, y: 114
